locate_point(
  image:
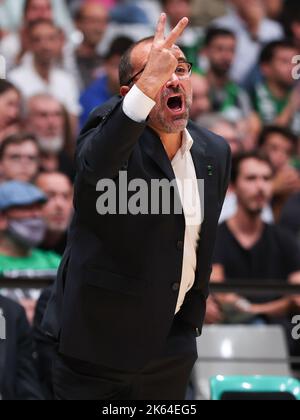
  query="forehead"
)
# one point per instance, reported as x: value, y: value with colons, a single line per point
x: 141, y: 52
x: 54, y: 183
x: 42, y: 105
x: 255, y: 167
x: 24, y: 146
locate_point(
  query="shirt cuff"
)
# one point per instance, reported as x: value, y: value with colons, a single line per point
x: 137, y: 106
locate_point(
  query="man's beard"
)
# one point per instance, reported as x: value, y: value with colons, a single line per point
x: 51, y: 145
x: 219, y: 71
x: 158, y: 118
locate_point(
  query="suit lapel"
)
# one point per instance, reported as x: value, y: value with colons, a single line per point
x: 154, y: 148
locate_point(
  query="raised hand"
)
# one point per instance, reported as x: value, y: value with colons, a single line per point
x: 162, y: 62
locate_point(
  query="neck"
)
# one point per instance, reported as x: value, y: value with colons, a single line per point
x: 86, y: 50
x: 171, y: 142
x: 276, y: 90
x: 10, y: 248
x: 49, y: 162
x: 52, y: 238
x: 216, y: 81
x: 253, y: 25
x: 42, y: 69
x: 246, y: 223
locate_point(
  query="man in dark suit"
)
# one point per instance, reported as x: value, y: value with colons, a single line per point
x: 18, y: 377
x: 131, y: 292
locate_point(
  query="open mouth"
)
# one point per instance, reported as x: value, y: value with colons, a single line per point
x: 175, y: 103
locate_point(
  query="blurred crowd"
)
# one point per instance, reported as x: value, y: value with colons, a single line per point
x: 62, y: 59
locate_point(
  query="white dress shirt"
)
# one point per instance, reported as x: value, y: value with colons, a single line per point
x: 138, y: 106
x: 61, y: 85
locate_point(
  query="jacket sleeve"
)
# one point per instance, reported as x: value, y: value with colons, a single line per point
x: 105, y: 145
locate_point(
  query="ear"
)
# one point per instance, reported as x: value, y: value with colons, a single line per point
x: 3, y: 222
x: 124, y: 90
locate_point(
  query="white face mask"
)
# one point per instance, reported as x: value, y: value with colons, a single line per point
x: 29, y: 233
x: 51, y: 144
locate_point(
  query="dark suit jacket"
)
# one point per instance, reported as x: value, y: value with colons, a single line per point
x: 18, y: 377
x: 115, y: 297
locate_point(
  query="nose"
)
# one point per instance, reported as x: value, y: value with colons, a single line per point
x: 173, y: 82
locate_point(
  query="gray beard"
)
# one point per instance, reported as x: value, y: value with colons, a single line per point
x: 51, y: 145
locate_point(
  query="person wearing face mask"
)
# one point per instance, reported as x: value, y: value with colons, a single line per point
x: 22, y: 229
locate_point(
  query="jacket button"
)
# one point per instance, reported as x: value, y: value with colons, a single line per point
x: 175, y: 287
x: 180, y: 245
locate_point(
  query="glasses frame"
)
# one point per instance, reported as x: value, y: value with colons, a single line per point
x: 130, y: 81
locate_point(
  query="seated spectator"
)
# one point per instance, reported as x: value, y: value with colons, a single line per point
x: 14, y: 12
x: 290, y: 218
x: 18, y: 377
x: 247, y: 19
x: 280, y: 145
x: 46, y: 119
x: 250, y: 250
x: 220, y: 49
x: 41, y: 73
x: 19, y: 158
x: 108, y: 84
x: 15, y: 45
x: 58, y: 210
x: 224, y: 127
x: 276, y: 99
x: 201, y: 102
x: 204, y: 11
x: 10, y: 109
x: 92, y: 21
x: 22, y: 229
x: 176, y: 10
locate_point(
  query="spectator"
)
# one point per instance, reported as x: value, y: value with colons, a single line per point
x: 236, y: 136
x: 290, y: 219
x: 45, y: 118
x: 204, y: 11
x: 13, y: 12
x: 22, y: 229
x: 41, y: 74
x: 176, y: 10
x: 19, y: 158
x: 201, y: 101
x: 92, y: 21
x: 108, y: 84
x: 280, y: 145
x: 10, y: 109
x: 58, y: 210
x: 15, y: 45
x: 247, y: 19
x: 18, y: 377
x: 276, y: 99
x: 250, y: 250
x: 219, y: 124
x: 219, y: 49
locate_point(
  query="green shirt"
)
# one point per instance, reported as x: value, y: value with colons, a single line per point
x: 267, y: 105
x: 38, y: 261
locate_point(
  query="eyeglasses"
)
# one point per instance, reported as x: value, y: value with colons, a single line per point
x: 183, y: 72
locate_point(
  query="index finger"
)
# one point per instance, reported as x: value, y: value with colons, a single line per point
x: 176, y: 33
x: 160, y: 29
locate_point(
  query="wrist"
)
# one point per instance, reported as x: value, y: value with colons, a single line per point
x: 148, y: 87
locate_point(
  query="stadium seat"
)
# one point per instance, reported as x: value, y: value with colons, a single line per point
x: 239, y: 350
x: 254, y: 388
